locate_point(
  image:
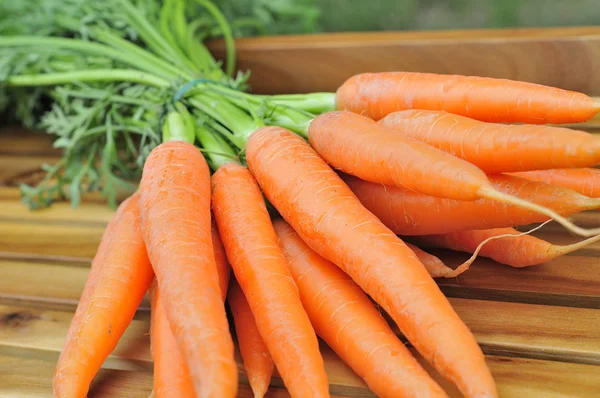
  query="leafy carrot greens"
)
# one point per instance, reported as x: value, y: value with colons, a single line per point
x: 102, y: 76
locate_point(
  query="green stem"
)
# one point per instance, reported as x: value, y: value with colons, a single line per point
x: 227, y: 34
x: 315, y: 103
x: 76, y: 45
x: 240, y: 123
x: 150, y: 35
x: 175, y: 128
x: 166, y: 21
x: 216, y: 149
x: 94, y: 75
x: 158, y: 65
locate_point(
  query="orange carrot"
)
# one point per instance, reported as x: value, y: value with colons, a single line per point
x: 262, y: 272
x: 176, y: 225
x: 497, y: 148
x: 255, y: 354
x: 171, y: 373
x: 517, y: 250
x: 584, y: 181
x: 361, y: 147
x: 120, y: 276
x: 434, y: 265
x: 412, y: 213
x: 313, y: 199
x: 223, y: 267
x: 345, y: 318
x: 487, y: 99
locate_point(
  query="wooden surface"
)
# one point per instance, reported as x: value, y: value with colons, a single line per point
x: 539, y: 327
x: 563, y: 57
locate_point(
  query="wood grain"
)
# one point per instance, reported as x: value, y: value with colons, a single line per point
x: 32, y: 378
x: 310, y: 63
x: 567, y: 281
x: 37, y: 334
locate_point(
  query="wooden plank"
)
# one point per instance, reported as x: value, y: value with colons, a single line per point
x: 16, y: 140
x: 309, y: 63
x: 22, y: 169
x: 38, y: 335
x: 32, y: 378
x: 86, y: 214
x: 53, y: 286
x: 566, y: 281
x: 61, y: 237
x: 535, y: 331
x: 53, y: 240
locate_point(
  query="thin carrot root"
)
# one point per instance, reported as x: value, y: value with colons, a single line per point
x: 465, y: 266
x: 488, y: 192
x: 566, y: 249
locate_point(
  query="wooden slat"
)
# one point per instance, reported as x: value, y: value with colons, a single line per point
x: 17, y: 169
x: 567, y: 281
x: 19, y: 141
x: 57, y: 240
x: 535, y: 331
x: 39, y: 334
x: 62, y: 236
x: 310, y: 63
x: 32, y: 378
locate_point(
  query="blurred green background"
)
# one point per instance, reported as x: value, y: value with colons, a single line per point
x: 311, y: 16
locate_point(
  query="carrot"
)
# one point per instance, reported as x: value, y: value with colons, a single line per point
x: 434, y: 265
x: 497, y: 148
x: 487, y: 99
x: 262, y: 272
x: 412, y: 213
x: 516, y: 249
x: 361, y: 147
x: 223, y: 267
x: 119, y: 278
x: 176, y: 226
x: 345, y: 318
x: 584, y: 181
x: 171, y: 372
x: 314, y: 200
x: 255, y: 354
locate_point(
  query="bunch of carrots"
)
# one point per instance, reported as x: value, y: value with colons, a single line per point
x: 313, y: 224
x: 302, y: 216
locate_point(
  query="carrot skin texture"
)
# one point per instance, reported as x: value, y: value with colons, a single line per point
x: 498, y: 148
x: 379, y: 154
x: 412, y: 213
x: 487, y: 99
x: 255, y: 354
x: 176, y: 225
x: 262, y: 273
x: 171, y: 373
x: 116, y: 285
x: 312, y: 198
x: 586, y: 181
x: 345, y: 318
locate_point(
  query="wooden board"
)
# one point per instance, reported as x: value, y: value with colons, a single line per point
x: 539, y: 327
x: 563, y: 57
